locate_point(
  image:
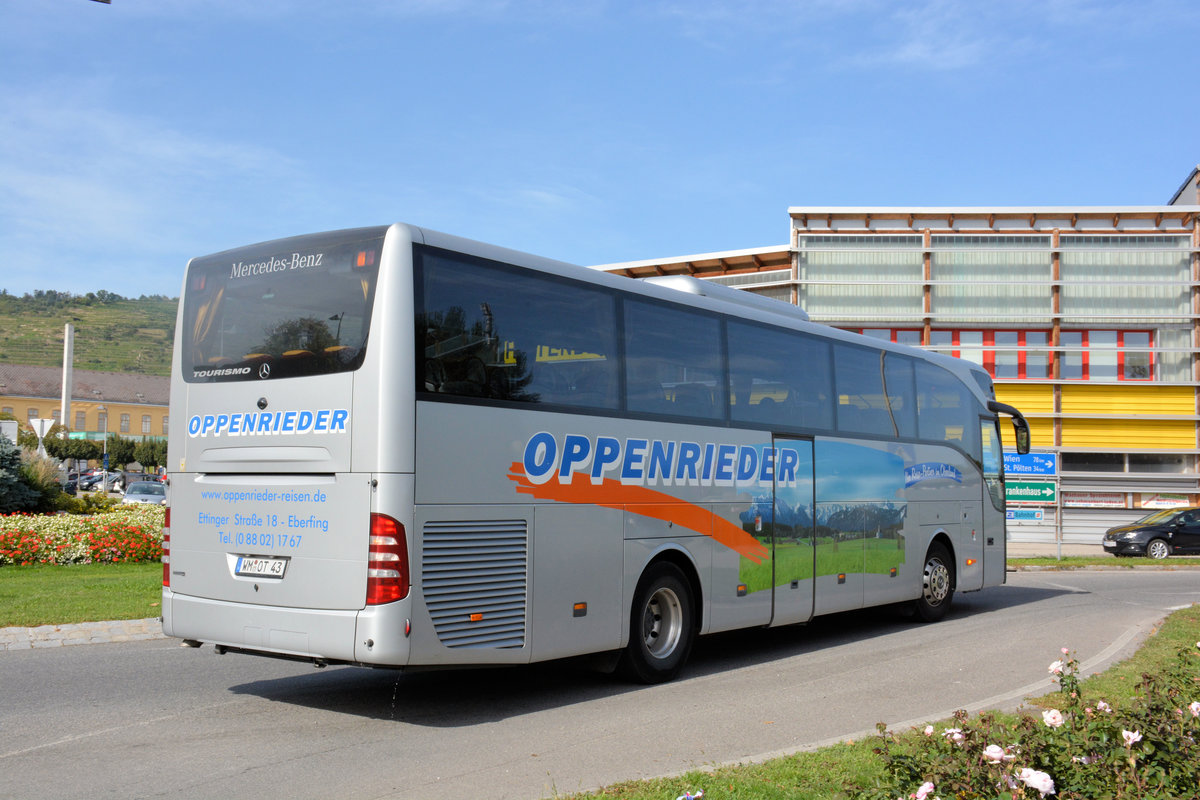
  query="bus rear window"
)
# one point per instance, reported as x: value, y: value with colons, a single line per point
x: 281, y: 309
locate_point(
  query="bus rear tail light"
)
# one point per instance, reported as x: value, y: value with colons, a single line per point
x: 166, y: 548
x: 387, y: 561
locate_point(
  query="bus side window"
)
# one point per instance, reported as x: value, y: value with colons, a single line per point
x: 595, y: 387
x: 674, y: 362
x: 858, y: 379
x: 779, y: 378
x: 901, y: 393
x: 489, y: 330
x: 644, y: 392
x: 946, y: 410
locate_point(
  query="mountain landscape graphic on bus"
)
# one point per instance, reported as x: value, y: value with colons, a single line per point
x: 792, y: 519
x: 854, y: 524
x: 861, y: 509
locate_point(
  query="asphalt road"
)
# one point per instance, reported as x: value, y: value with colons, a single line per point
x: 153, y: 719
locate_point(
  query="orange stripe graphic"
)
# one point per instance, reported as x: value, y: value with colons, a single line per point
x: 645, y: 502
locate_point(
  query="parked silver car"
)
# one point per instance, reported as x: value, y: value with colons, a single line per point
x: 146, y: 492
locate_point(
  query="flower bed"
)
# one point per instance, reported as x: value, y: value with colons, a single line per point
x: 1089, y: 749
x: 128, y: 533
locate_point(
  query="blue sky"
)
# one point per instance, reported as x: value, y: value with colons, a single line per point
x: 138, y: 134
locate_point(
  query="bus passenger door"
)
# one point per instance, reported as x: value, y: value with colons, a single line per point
x: 792, y: 525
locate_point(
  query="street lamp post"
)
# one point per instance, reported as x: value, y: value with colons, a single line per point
x: 104, y: 433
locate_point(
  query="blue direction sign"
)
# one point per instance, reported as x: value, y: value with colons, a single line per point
x: 1016, y: 464
x: 1024, y: 514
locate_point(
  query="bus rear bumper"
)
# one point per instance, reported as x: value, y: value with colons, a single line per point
x: 308, y: 634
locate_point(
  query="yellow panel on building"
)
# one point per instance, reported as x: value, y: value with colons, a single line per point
x: 1129, y: 399
x: 1120, y: 435
x: 1029, y: 398
x: 1041, y: 433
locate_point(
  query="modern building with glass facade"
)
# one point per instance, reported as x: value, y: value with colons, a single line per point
x: 1088, y: 318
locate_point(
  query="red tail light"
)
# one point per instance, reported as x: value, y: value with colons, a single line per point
x: 387, y: 561
x: 166, y: 547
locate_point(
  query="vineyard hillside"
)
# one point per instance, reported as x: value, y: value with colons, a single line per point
x: 112, y: 333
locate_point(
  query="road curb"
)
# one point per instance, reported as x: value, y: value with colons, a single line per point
x: 1100, y: 568
x: 119, y: 630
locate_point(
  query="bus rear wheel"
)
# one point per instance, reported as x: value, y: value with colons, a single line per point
x: 937, y: 584
x: 661, y: 626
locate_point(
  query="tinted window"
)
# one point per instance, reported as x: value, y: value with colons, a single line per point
x: 946, y: 411
x: 490, y: 331
x: 993, y: 461
x: 673, y: 361
x: 901, y: 393
x: 861, y: 402
x: 280, y: 309
x: 779, y: 378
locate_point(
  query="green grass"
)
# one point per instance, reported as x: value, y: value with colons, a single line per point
x: 1075, y: 562
x: 831, y: 772
x: 817, y: 775
x: 53, y: 595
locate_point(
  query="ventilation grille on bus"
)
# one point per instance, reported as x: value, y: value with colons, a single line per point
x: 474, y: 579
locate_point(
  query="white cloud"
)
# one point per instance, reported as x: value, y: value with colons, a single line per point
x: 83, y: 179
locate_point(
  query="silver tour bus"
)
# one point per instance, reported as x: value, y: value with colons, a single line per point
x: 395, y: 447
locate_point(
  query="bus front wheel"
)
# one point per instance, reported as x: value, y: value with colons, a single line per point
x: 661, y: 626
x: 937, y: 584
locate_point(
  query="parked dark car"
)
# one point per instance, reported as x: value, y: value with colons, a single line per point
x: 95, y: 481
x: 90, y: 480
x: 125, y: 479
x: 1166, y: 532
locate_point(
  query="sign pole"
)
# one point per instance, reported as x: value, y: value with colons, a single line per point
x: 1058, y: 524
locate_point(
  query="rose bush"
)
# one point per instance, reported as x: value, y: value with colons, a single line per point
x: 1149, y: 747
x: 125, y: 534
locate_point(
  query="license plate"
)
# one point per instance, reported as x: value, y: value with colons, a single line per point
x: 258, y: 567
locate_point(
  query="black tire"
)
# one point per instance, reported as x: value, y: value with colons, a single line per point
x: 937, y: 584
x: 661, y: 626
x: 1157, y: 548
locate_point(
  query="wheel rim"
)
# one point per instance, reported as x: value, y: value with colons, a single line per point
x: 937, y: 582
x: 662, y: 623
x: 1158, y: 549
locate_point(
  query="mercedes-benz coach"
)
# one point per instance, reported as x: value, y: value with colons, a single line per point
x: 394, y: 447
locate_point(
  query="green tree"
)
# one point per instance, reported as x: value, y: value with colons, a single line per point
x: 120, y: 451
x: 80, y: 449
x: 151, y: 453
x: 15, y: 493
